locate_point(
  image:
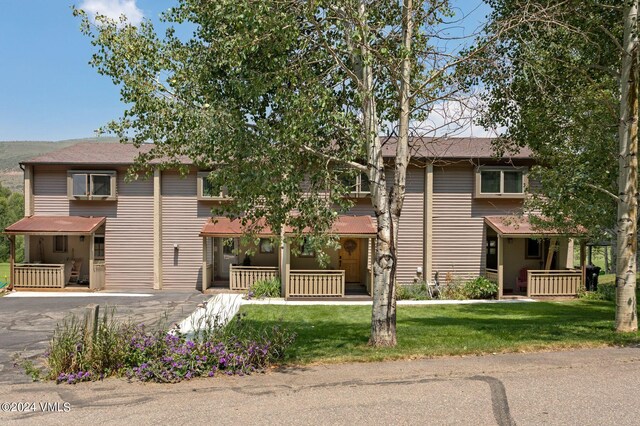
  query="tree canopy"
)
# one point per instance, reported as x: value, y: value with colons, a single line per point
x: 553, y: 86
x: 11, y: 210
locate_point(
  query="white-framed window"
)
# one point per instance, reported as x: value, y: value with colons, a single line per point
x: 206, y: 191
x: 91, y: 184
x: 60, y: 244
x: 360, y: 188
x: 505, y: 182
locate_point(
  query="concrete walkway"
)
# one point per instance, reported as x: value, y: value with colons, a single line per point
x: 214, y: 312
x: 39, y: 294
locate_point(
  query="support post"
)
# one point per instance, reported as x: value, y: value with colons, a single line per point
x: 205, y: 270
x: 500, y: 267
x: 157, y: 230
x: 12, y: 259
x: 91, y: 321
x: 92, y: 254
x: 552, y: 249
x: 428, y: 224
x: 583, y: 268
x: 286, y: 254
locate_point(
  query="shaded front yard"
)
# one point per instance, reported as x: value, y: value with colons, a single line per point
x: 340, y: 333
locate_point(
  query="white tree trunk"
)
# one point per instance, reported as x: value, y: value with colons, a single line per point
x: 626, y: 247
x: 388, y: 206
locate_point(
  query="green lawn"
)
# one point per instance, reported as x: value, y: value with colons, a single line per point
x: 4, y: 271
x: 340, y: 333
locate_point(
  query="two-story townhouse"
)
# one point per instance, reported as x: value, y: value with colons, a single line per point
x: 87, y: 225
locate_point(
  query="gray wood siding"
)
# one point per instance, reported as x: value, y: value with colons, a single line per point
x: 458, y: 222
x: 181, y: 224
x: 411, y: 231
x: 50, y: 191
x: 129, y: 227
x: 129, y: 237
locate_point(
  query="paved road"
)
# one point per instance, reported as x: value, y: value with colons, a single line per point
x: 586, y: 387
x: 26, y: 324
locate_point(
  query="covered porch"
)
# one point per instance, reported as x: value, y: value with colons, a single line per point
x: 60, y: 252
x: 529, y: 262
x: 228, y: 263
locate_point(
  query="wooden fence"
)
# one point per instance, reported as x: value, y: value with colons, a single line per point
x: 313, y: 283
x: 553, y: 283
x: 241, y: 277
x: 39, y: 275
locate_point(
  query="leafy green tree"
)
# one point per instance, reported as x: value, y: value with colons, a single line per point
x: 560, y: 85
x: 284, y: 101
x: 11, y: 210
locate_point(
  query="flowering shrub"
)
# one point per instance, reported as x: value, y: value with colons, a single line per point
x: 122, y: 349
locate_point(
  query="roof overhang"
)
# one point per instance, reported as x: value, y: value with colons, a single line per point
x: 344, y: 226
x: 520, y: 227
x: 56, y: 225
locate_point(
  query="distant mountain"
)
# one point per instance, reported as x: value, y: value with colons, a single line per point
x: 13, y: 152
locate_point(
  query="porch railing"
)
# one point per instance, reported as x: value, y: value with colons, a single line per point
x: 553, y: 283
x: 98, y: 275
x: 313, y: 283
x: 241, y: 277
x: 491, y: 274
x: 39, y: 275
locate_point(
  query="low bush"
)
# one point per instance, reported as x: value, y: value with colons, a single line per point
x: 135, y: 351
x: 416, y: 291
x: 604, y: 292
x: 264, y: 288
x: 480, y: 288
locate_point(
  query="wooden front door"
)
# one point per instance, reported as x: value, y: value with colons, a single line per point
x: 349, y: 255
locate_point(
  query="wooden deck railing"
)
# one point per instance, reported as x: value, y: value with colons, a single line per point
x: 98, y: 275
x: 38, y: 275
x: 313, y: 283
x: 491, y: 274
x: 553, y: 283
x: 241, y: 277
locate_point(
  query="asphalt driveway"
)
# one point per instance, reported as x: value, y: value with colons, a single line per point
x: 27, y: 323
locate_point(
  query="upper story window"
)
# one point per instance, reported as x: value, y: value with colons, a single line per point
x: 505, y: 182
x: 206, y: 191
x: 91, y: 184
x: 360, y: 188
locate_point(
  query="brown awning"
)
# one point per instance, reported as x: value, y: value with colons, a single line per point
x: 517, y: 226
x: 225, y: 227
x: 55, y: 225
x: 361, y: 226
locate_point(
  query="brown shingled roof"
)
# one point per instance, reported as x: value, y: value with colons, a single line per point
x: 78, y: 225
x: 92, y: 153
x: 450, y: 148
x: 123, y: 154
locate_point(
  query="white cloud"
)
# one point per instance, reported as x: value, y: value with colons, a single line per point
x: 114, y: 9
x: 454, y: 118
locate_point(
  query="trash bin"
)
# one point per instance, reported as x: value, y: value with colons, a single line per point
x: 592, y: 273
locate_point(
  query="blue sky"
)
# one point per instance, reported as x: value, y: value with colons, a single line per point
x: 47, y: 89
